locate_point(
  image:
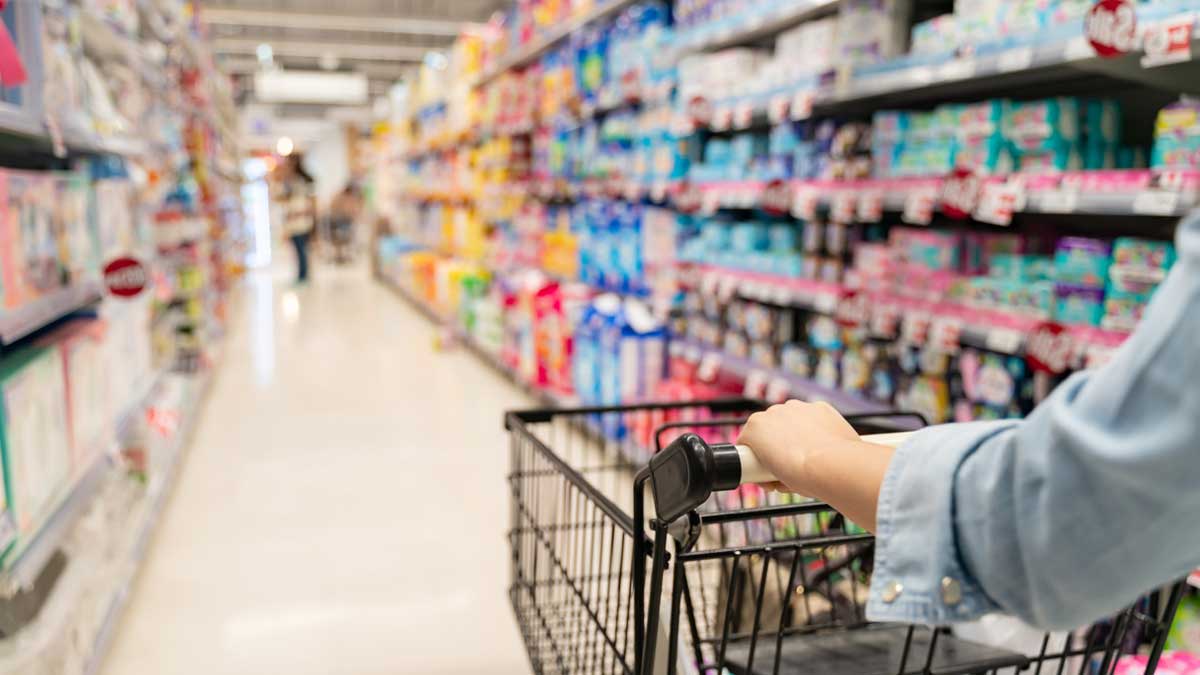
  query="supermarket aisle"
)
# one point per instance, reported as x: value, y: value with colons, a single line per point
x: 341, y: 511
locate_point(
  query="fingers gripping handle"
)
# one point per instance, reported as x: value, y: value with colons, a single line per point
x: 753, y: 471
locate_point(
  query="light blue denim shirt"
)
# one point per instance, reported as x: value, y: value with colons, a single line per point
x: 1069, y: 515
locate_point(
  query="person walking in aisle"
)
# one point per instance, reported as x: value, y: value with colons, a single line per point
x: 1057, y: 519
x: 343, y: 212
x: 300, y: 210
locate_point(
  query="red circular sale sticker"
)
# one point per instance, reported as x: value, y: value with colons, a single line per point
x: 125, y: 277
x: 1050, y: 348
x: 960, y: 193
x: 1111, y: 27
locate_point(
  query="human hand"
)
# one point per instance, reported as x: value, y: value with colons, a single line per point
x: 786, y: 438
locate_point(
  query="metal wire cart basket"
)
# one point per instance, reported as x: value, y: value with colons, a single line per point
x: 708, y: 577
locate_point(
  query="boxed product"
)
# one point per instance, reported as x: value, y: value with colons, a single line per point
x: 90, y: 407
x: 1177, y: 136
x: 33, y: 434
x: 870, y: 31
x: 1082, y: 262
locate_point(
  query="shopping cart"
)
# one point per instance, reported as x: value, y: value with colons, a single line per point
x: 713, y: 575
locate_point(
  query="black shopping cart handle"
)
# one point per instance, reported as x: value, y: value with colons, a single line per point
x: 686, y: 473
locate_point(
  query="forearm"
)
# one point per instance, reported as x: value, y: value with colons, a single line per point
x: 847, y: 476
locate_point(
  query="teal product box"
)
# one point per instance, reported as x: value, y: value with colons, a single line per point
x: 1145, y: 254
x: 1123, y: 310
x: 1055, y: 118
x: 1032, y: 298
x: 1080, y: 261
x: 1049, y: 155
x: 1021, y: 267
x: 1079, y: 305
x: 889, y: 126
x: 983, y: 119
x: 984, y: 155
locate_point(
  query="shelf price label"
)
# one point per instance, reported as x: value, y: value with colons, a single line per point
x: 722, y: 118
x: 778, y: 390
x: 805, y: 201
x: 777, y: 198
x: 945, y: 334
x: 1168, y: 42
x: 853, y: 310
x: 699, y: 111
x: 710, y: 366
x: 686, y: 197
x: 1156, y: 202
x: 756, y: 385
x: 999, y: 201
x: 743, y: 114
x: 1111, y: 27
x: 1060, y: 200
x: 1015, y: 59
x: 710, y: 201
x: 777, y: 108
x: 1004, y: 340
x: 918, y: 206
x: 802, y: 104
x: 844, y: 206
x: 885, y: 321
x: 914, y: 328
x: 870, y: 206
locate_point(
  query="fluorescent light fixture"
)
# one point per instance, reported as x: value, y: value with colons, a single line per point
x: 232, y: 16
x: 315, y: 50
x: 310, y: 86
x: 284, y: 146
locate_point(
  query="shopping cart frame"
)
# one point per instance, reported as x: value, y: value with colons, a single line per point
x: 647, y: 541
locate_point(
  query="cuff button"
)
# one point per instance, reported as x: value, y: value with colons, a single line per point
x: 951, y: 591
x: 892, y: 591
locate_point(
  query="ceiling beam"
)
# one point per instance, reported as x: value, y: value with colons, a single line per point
x: 343, y: 50
x: 373, y: 24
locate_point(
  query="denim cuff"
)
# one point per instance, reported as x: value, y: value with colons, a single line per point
x: 919, y: 577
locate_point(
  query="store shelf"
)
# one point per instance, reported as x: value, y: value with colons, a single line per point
x: 792, y: 386
x: 31, y: 317
x: 998, y: 69
x: 30, y: 558
x: 18, y: 122
x: 157, y: 495
x: 529, y: 52
x: 754, y: 28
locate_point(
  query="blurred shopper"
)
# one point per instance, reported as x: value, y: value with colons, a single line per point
x: 300, y: 210
x: 344, y: 211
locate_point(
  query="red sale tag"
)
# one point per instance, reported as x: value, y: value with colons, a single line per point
x: 998, y: 203
x: 1050, y: 349
x: 686, y: 197
x: 853, y: 310
x: 1111, y: 27
x: 960, y: 193
x: 777, y: 198
x: 1168, y: 42
x: 125, y: 277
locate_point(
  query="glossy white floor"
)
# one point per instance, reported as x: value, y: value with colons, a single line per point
x: 342, y: 508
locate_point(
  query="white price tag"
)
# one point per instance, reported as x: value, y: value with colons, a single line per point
x: 778, y: 390
x: 918, y: 206
x: 1015, y: 59
x: 743, y: 115
x: 780, y: 295
x: 710, y: 201
x: 805, y: 201
x: 722, y: 117
x: 1156, y: 203
x: 1004, y: 340
x: 998, y: 202
x: 709, y: 367
x: 825, y: 303
x: 777, y: 108
x: 756, y: 385
x: 1079, y: 48
x: 914, y: 328
x: 1168, y: 42
x: 1062, y: 200
x: 844, y: 206
x: 944, y: 334
x: 802, y: 104
x: 958, y: 69
x: 870, y: 206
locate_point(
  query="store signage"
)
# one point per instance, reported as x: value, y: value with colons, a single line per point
x: 777, y: 198
x: 1050, y: 348
x: 1111, y: 27
x: 960, y: 193
x: 1168, y: 42
x: 125, y: 277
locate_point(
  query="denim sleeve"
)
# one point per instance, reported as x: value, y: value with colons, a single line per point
x: 1070, y: 514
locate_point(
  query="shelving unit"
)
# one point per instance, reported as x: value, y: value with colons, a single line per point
x: 32, y: 317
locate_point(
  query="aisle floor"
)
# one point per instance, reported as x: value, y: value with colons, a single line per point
x: 342, y: 508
